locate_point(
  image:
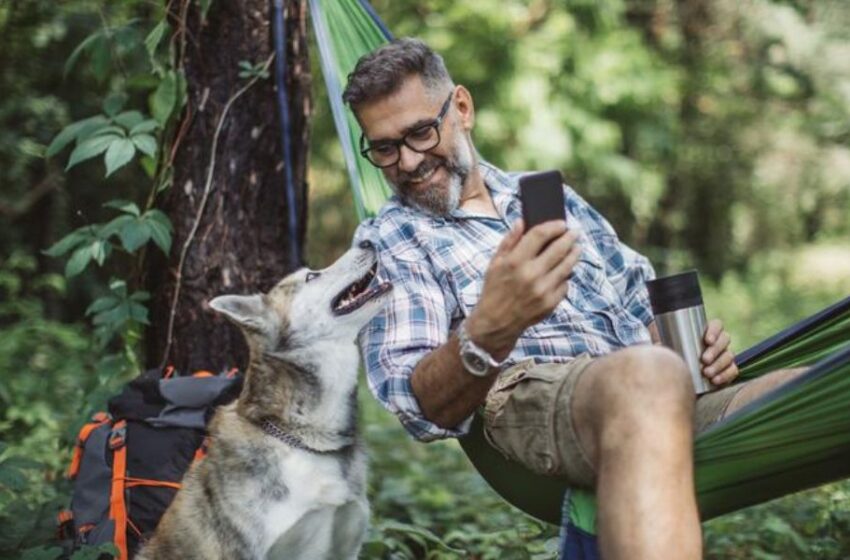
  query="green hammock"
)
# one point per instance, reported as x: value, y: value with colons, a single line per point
x: 796, y: 437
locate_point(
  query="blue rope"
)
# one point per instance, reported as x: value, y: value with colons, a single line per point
x: 377, y: 19
x: 279, y: 30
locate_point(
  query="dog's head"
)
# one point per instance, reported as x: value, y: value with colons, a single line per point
x: 310, y: 306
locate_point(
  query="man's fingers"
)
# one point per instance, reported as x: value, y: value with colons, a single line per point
x: 537, y: 237
x: 511, y: 238
x: 726, y: 376
x: 720, y: 364
x: 556, y: 279
x: 712, y: 331
x: 557, y: 251
x: 721, y: 343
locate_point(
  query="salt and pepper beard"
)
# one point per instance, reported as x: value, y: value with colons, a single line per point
x: 440, y: 202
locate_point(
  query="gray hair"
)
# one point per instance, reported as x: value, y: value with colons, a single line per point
x: 382, y: 71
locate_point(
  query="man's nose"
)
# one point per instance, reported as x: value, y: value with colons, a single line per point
x: 408, y: 160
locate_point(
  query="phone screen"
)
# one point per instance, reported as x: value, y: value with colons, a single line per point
x: 542, y: 196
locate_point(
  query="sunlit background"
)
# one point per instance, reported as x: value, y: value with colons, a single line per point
x: 712, y: 134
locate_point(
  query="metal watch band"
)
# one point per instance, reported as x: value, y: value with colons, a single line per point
x: 476, y: 360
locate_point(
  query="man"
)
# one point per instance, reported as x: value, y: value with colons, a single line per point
x: 557, y: 316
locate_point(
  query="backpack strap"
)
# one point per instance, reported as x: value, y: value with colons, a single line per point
x: 201, y: 451
x: 133, y: 482
x: 117, y: 503
x: 98, y: 420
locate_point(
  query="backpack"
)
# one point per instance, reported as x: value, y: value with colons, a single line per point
x: 128, y: 462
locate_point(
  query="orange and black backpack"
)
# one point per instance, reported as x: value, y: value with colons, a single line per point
x: 128, y: 462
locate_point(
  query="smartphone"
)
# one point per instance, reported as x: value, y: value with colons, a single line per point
x: 542, y: 197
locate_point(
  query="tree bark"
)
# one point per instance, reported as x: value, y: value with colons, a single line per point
x: 240, y: 244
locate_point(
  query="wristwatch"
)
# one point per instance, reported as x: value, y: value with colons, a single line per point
x: 476, y: 360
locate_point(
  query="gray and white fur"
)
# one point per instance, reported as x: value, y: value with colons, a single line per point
x: 300, y: 496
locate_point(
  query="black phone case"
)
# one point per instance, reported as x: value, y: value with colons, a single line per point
x: 542, y: 196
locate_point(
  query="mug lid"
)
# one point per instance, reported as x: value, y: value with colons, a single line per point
x: 678, y: 291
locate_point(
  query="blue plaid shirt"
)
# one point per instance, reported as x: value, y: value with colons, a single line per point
x: 437, y: 267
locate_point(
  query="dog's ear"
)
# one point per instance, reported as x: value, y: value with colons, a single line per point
x: 246, y: 311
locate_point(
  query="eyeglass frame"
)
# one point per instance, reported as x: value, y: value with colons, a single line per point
x: 435, y: 124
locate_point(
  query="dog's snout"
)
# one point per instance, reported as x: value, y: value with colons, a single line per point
x: 366, y: 244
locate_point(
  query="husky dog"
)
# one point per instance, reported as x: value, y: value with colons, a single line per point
x: 285, y: 475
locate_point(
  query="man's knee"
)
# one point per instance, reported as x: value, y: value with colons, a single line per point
x: 646, y: 380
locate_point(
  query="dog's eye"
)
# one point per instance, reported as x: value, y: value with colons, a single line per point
x: 312, y: 276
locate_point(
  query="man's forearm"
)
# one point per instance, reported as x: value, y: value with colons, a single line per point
x: 446, y: 392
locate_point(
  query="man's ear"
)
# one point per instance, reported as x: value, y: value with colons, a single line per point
x: 245, y: 311
x: 465, y: 107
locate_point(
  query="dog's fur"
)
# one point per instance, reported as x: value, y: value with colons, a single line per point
x: 255, y: 496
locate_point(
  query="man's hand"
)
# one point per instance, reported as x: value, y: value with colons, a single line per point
x: 718, y: 361
x: 522, y: 284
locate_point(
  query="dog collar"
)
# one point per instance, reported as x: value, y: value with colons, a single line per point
x: 295, y: 441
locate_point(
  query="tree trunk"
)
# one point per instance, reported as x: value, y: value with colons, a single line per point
x: 240, y: 244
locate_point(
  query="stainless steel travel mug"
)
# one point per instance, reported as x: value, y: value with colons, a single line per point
x: 680, y: 316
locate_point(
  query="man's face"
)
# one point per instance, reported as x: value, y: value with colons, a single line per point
x: 431, y: 181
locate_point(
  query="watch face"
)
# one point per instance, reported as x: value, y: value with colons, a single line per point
x: 478, y: 363
x: 475, y: 363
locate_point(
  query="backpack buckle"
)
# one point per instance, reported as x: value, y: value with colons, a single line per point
x: 118, y: 435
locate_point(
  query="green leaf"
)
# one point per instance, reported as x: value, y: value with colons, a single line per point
x: 91, y: 148
x: 140, y: 296
x: 100, y: 249
x: 139, y: 313
x: 164, y: 99
x: 205, y: 8
x: 119, y: 287
x: 114, y: 103
x: 161, y: 235
x: 113, y: 226
x: 72, y: 132
x: 102, y: 304
x: 70, y: 241
x: 145, y: 143
x: 125, y: 206
x: 114, y: 316
x: 75, y: 54
x: 155, y: 36
x: 78, y: 261
x: 134, y: 235
x: 145, y: 126
x: 148, y: 166
x: 109, y: 129
x: 118, y: 155
x: 130, y: 119
x: 12, y: 478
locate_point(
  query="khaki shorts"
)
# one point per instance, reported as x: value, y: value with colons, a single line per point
x: 527, y: 417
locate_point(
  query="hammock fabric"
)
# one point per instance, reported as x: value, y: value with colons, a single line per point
x: 796, y: 437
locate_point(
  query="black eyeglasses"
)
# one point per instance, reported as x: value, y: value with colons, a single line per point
x: 386, y: 153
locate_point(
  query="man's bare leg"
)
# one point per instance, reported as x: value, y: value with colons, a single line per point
x: 633, y: 411
x: 755, y: 388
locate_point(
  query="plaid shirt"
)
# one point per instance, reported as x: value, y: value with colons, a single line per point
x: 437, y: 267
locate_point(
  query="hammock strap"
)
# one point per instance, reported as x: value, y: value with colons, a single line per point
x: 279, y: 31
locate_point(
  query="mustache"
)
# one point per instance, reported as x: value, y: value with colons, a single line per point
x: 424, y: 168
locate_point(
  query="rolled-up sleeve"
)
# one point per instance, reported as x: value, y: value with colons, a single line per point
x: 626, y: 269
x: 415, y: 322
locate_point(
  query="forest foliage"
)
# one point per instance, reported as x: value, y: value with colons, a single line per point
x: 711, y: 134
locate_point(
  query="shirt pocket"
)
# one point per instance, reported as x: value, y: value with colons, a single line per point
x: 589, y: 277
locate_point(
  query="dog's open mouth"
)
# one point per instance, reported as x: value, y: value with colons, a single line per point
x: 357, y: 293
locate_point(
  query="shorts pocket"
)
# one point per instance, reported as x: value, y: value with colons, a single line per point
x: 526, y: 397
x: 530, y: 446
x: 519, y: 415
